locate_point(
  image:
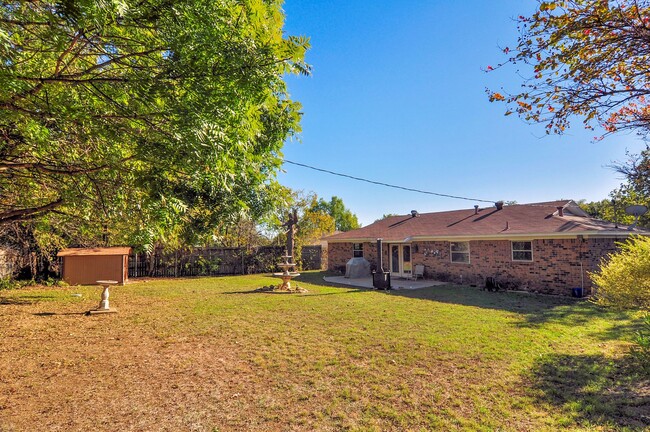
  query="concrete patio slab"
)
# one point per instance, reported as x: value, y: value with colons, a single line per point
x: 396, y: 283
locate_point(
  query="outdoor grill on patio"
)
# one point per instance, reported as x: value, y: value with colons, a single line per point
x: 380, y: 278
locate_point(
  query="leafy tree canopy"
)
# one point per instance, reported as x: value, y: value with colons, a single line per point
x: 613, y: 209
x: 313, y: 222
x: 154, y: 118
x: 586, y: 59
x: 344, y: 219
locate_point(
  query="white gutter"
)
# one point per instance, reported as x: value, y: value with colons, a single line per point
x: 504, y: 236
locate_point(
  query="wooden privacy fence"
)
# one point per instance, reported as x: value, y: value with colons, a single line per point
x: 209, y: 261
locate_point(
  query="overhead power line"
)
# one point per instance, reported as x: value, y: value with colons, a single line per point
x: 386, y: 184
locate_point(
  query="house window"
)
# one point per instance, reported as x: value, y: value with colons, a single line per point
x: 522, y: 251
x: 357, y: 250
x: 460, y: 252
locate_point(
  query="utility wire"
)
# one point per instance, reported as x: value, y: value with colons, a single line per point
x: 386, y: 184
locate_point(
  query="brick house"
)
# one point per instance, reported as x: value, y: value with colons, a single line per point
x: 547, y: 247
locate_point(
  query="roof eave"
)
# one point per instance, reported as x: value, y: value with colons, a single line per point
x: 500, y: 236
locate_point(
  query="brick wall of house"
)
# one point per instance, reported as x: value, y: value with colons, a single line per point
x: 555, y: 268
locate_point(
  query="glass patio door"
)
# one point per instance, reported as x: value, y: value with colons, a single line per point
x: 400, y: 260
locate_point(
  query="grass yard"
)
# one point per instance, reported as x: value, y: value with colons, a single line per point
x: 210, y: 355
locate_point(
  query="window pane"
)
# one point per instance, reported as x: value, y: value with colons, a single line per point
x: 407, y: 253
x: 460, y: 247
x: 461, y: 257
x: 394, y: 262
x: 522, y: 256
x: 522, y: 246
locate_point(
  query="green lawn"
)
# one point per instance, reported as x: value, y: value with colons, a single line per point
x: 210, y: 354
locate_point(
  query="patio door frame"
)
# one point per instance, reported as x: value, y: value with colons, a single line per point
x: 404, y: 267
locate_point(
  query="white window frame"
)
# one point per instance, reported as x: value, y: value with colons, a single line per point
x: 452, y: 252
x: 513, y: 250
x: 357, y: 253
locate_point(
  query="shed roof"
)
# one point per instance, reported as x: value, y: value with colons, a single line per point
x: 536, y: 219
x: 94, y: 251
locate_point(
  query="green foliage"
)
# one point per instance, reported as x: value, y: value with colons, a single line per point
x: 208, y: 266
x: 585, y: 59
x: 156, y: 119
x: 344, y: 219
x: 8, y: 283
x: 623, y: 280
x: 637, y: 172
x: 642, y: 349
x: 623, y: 197
x: 313, y: 221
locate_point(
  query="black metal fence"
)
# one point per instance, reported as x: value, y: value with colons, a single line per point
x: 208, y: 261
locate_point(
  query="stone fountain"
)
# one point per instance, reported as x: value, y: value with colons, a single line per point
x: 287, y: 274
x: 287, y: 265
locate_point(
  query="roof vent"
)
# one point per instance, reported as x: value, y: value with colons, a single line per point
x: 414, y: 213
x: 560, y: 211
x: 499, y: 205
x: 476, y: 209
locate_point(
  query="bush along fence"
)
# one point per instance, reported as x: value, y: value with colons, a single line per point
x: 209, y: 261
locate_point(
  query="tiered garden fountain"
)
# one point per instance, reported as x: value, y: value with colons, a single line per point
x: 287, y: 275
x: 287, y: 266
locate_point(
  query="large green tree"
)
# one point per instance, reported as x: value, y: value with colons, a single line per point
x: 613, y: 209
x: 313, y: 221
x: 154, y: 118
x: 344, y: 219
x: 583, y: 59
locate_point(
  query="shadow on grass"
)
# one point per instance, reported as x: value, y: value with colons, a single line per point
x: 313, y: 278
x: 47, y: 314
x: 534, y: 309
x: 15, y: 301
x: 316, y: 278
x: 592, y: 390
x: 26, y: 299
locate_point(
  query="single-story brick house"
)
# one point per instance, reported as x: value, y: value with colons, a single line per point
x: 547, y: 247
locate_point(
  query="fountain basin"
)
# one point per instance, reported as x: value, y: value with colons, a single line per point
x: 291, y: 274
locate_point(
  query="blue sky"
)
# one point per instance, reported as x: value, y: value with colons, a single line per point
x: 398, y: 96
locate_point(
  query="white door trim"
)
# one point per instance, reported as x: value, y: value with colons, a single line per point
x: 402, y: 266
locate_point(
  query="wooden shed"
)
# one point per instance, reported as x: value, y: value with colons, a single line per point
x: 85, y: 266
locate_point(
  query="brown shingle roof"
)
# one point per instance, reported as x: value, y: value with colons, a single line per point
x: 95, y: 251
x: 513, y: 220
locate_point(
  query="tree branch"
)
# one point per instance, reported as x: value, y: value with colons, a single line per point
x: 14, y: 215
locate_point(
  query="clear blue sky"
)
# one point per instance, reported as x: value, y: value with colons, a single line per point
x: 398, y: 95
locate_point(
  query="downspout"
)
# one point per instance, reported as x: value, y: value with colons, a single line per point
x: 380, y: 260
x: 582, y: 273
